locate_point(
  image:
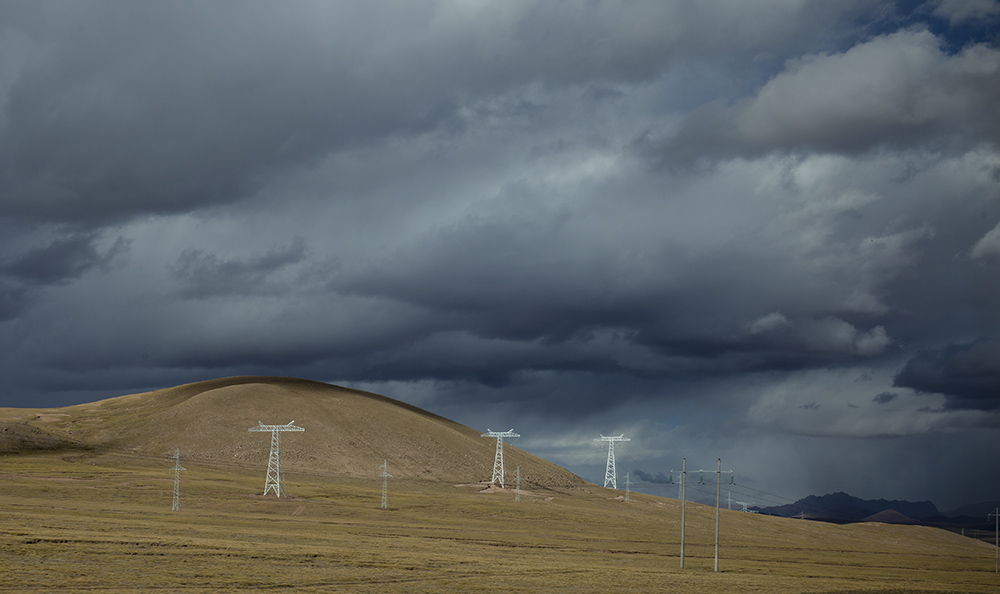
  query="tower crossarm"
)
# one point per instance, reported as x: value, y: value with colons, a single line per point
x: 500, y: 434
x: 289, y: 427
x: 613, y: 438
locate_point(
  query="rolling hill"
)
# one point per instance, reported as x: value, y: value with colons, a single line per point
x: 348, y: 433
x: 88, y: 491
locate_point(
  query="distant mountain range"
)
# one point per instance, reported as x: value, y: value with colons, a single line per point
x: 842, y: 508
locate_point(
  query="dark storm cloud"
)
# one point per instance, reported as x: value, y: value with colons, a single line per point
x: 26, y: 272
x: 658, y: 478
x: 197, y: 111
x: 204, y: 103
x: 14, y: 300
x: 967, y: 374
x: 206, y: 275
x: 62, y: 260
x: 559, y: 279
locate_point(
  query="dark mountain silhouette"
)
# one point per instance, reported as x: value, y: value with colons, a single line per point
x: 843, y: 508
x: 975, y: 510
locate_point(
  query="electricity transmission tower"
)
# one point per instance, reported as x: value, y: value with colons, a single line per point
x: 628, y: 485
x: 499, y: 478
x: 275, y: 479
x: 610, y: 474
x: 177, y: 480
x: 385, y: 484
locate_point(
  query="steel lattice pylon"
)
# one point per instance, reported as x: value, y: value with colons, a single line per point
x: 275, y: 479
x: 177, y: 480
x: 498, y: 472
x: 385, y: 484
x: 610, y: 475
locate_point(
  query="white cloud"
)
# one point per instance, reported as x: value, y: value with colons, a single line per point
x: 897, y: 90
x: 988, y: 246
x: 768, y: 323
x: 960, y: 11
x: 873, y: 342
x: 844, y: 403
x: 891, y: 86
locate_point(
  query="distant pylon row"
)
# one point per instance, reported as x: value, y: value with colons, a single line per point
x: 275, y: 480
x: 499, y: 476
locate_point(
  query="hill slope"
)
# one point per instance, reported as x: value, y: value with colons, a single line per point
x: 347, y: 432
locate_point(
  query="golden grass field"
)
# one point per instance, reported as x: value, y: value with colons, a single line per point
x: 78, y: 522
x: 96, y: 517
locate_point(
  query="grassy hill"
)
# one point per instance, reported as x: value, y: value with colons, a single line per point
x: 348, y: 433
x: 86, y: 507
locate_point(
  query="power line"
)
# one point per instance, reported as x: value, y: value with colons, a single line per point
x: 701, y: 480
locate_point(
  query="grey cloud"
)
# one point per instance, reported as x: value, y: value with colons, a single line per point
x: 129, y: 110
x: 657, y: 478
x: 961, y: 11
x: 967, y: 373
x: 825, y: 335
x: 14, y: 300
x: 475, y: 229
x: 896, y: 91
x: 206, y: 275
x: 987, y: 248
x: 884, y: 397
x: 64, y: 259
x: 96, y: 133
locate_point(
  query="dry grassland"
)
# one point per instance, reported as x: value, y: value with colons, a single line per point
x: 77, y: 522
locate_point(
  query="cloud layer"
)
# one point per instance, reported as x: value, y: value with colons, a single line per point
x: 717, y: 225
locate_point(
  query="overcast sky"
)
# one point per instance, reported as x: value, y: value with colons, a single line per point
x: 766, y: 231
